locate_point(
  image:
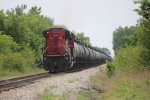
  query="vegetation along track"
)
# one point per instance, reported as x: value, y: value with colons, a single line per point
x: 21, y: 81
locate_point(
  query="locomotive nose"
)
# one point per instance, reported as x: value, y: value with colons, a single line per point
x: 55, y: 43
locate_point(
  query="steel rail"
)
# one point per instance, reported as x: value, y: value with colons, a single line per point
x: 21, y: 81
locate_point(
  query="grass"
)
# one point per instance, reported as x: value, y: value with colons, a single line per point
x: 48, y: 96
x: 84, y: 95
x: 123, y: 86
x: 7, y: 75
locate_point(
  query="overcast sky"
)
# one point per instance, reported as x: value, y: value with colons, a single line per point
x: 96, y: 18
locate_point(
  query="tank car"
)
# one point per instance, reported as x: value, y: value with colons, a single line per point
x: 61, y: 52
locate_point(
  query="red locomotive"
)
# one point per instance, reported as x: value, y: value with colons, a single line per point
x: 62, y: 52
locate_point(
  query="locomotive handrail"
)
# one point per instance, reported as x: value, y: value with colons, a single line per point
x: 70, y: 59
x: 45, y: 50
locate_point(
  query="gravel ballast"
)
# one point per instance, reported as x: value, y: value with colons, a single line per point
x: 57, y: 85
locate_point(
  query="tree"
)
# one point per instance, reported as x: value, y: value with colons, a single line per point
x: 106, y: 51
x: 124, y: 36
x: 26, y: 28
x: 144, y: 29
x: 13, y: 23
x: 84, y: 39
x: 144, y: 22
x: 103, y: 50
x: 50, y: 21
x: 19, y: 10
x: 2, y: 23
x: 35, y: 10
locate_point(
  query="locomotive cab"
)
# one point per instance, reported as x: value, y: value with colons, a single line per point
x: 58, y: 49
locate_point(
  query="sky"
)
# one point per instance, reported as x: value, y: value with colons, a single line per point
x: 97, y: 19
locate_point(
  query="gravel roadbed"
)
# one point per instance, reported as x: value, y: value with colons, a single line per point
x: 57, y: 85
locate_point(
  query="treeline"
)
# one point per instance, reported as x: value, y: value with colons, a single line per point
x: 132, y: 44
x: 21, y: 39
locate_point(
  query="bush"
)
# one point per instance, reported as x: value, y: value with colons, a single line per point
x: 128, y: 58
x: 13, y: 62
x: 7, y: 44
x: 29, y: 57
x: 145, y: 58
x: 14, y: 57
x: 17, y: 61
x: 110, y: 68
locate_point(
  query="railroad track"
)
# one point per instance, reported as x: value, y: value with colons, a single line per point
x: 6, y: 85
x: 21, y: 81
x: 9, y: 84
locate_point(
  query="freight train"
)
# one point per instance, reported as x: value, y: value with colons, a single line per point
x: 62, y: 52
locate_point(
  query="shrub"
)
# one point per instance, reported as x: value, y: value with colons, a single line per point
x: 145, y: 58
x: 110, y: 68
x: 29, y: 57
x: 14, y: 57
x: 7, y: 43
x: 18, y: 61
x: 128, y: 58
x: 13, y: 62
